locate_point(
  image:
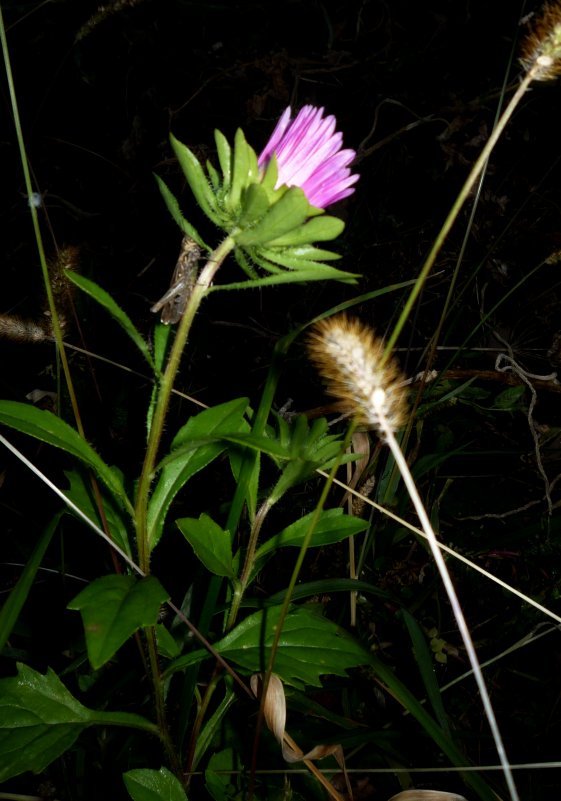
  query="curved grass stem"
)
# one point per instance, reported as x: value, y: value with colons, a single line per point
x: 409, y: 482
x: 457, y: 206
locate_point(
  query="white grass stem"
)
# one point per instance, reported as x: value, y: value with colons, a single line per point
x: 509, y: 588
x: 71, y: 505
x: 388, y: 436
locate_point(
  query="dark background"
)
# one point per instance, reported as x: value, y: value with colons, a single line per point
x: 415, y: 88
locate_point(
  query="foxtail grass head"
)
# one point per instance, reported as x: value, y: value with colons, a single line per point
x: 350, y: 358
x: 541, y: 50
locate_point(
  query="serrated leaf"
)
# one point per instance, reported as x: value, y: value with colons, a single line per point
x: 172, y: 205
x: 113, y: 608
x: 288, y: 213
x: 296, y: 258
x: 318, y: 229
x: 320, y: 272
x: 197, y: 180
x: 214, y: 177
x: 311, y: 253
x: 224, y: 157
x: 121, y: 317
x: 46, y: 427
x: 255, y: 204
x: 153, y: 785
x: 181, y: 466
x: 162, y: 336
x: 310, y: 646
x: 244, y: 170
x: 40, y: 719
x: 270, y: 176
x: 211, y: 544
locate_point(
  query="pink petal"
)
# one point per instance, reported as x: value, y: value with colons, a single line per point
x: 309, y: 155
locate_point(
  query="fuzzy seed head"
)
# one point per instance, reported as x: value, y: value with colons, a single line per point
x: 349, y: 357
x: 541, y: 50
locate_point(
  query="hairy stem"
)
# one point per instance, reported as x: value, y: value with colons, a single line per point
x: 162, y: 403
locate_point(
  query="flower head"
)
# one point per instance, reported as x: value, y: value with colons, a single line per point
x: 309, y: 155
x: 541, y: 51
x: 350, y: 358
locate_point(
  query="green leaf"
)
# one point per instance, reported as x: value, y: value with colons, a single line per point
x: 162, y: 336
x: 172, y: 205
x: 18, y: 595
x: 300, y: 257
x: 45, y: 426
x: 153, y: 785
x: 224, y: 157
x: 318, y: 229
x: 254, y: 205
x: 181, y: 466
x: 320, y: 272
x: 113, y: 608
x: 250, y: 472
x: 310, y: 646
x: 290, y: 212
x: 333, y: 526
x: 406, y: 698
x: 40, y: 720
x: 80, y: 493
x: 104, y: 299
x: 220, y: 775
x: 270, y: 176
x: 423, y: 657
x: 312, y: 589
x: 244, y: 171
x: 212, y: 727
x: 509, y: 399
x: 212, y: 545
x: 309, y: 253
x: 167, y: 645
x: 197, y: 181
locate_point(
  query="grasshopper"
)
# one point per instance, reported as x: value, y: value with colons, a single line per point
x: 173, y: 303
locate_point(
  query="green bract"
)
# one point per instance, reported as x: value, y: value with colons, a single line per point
x: 272, y: 229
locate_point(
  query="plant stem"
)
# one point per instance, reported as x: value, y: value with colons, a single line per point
x: 55, y: 322
x: 241, y: 587
x: 459, y: 202
x: 159, y: 703
x: 290, y: 589
x: 162, y: 403
x: 141, y: 510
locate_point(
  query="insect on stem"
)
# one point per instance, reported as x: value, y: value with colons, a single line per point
x: 173, y: 303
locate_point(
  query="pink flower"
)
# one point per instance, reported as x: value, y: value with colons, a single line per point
x: 309, y: 155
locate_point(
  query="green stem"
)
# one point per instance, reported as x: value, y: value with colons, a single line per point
x: 55, y: 322
x: 162, y: 403
x: 459, y: 202
x: 212, y: 685
x: 241, y: 586
x: 159, y: 703
x: 141, y: 510
x: 290, y: 589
